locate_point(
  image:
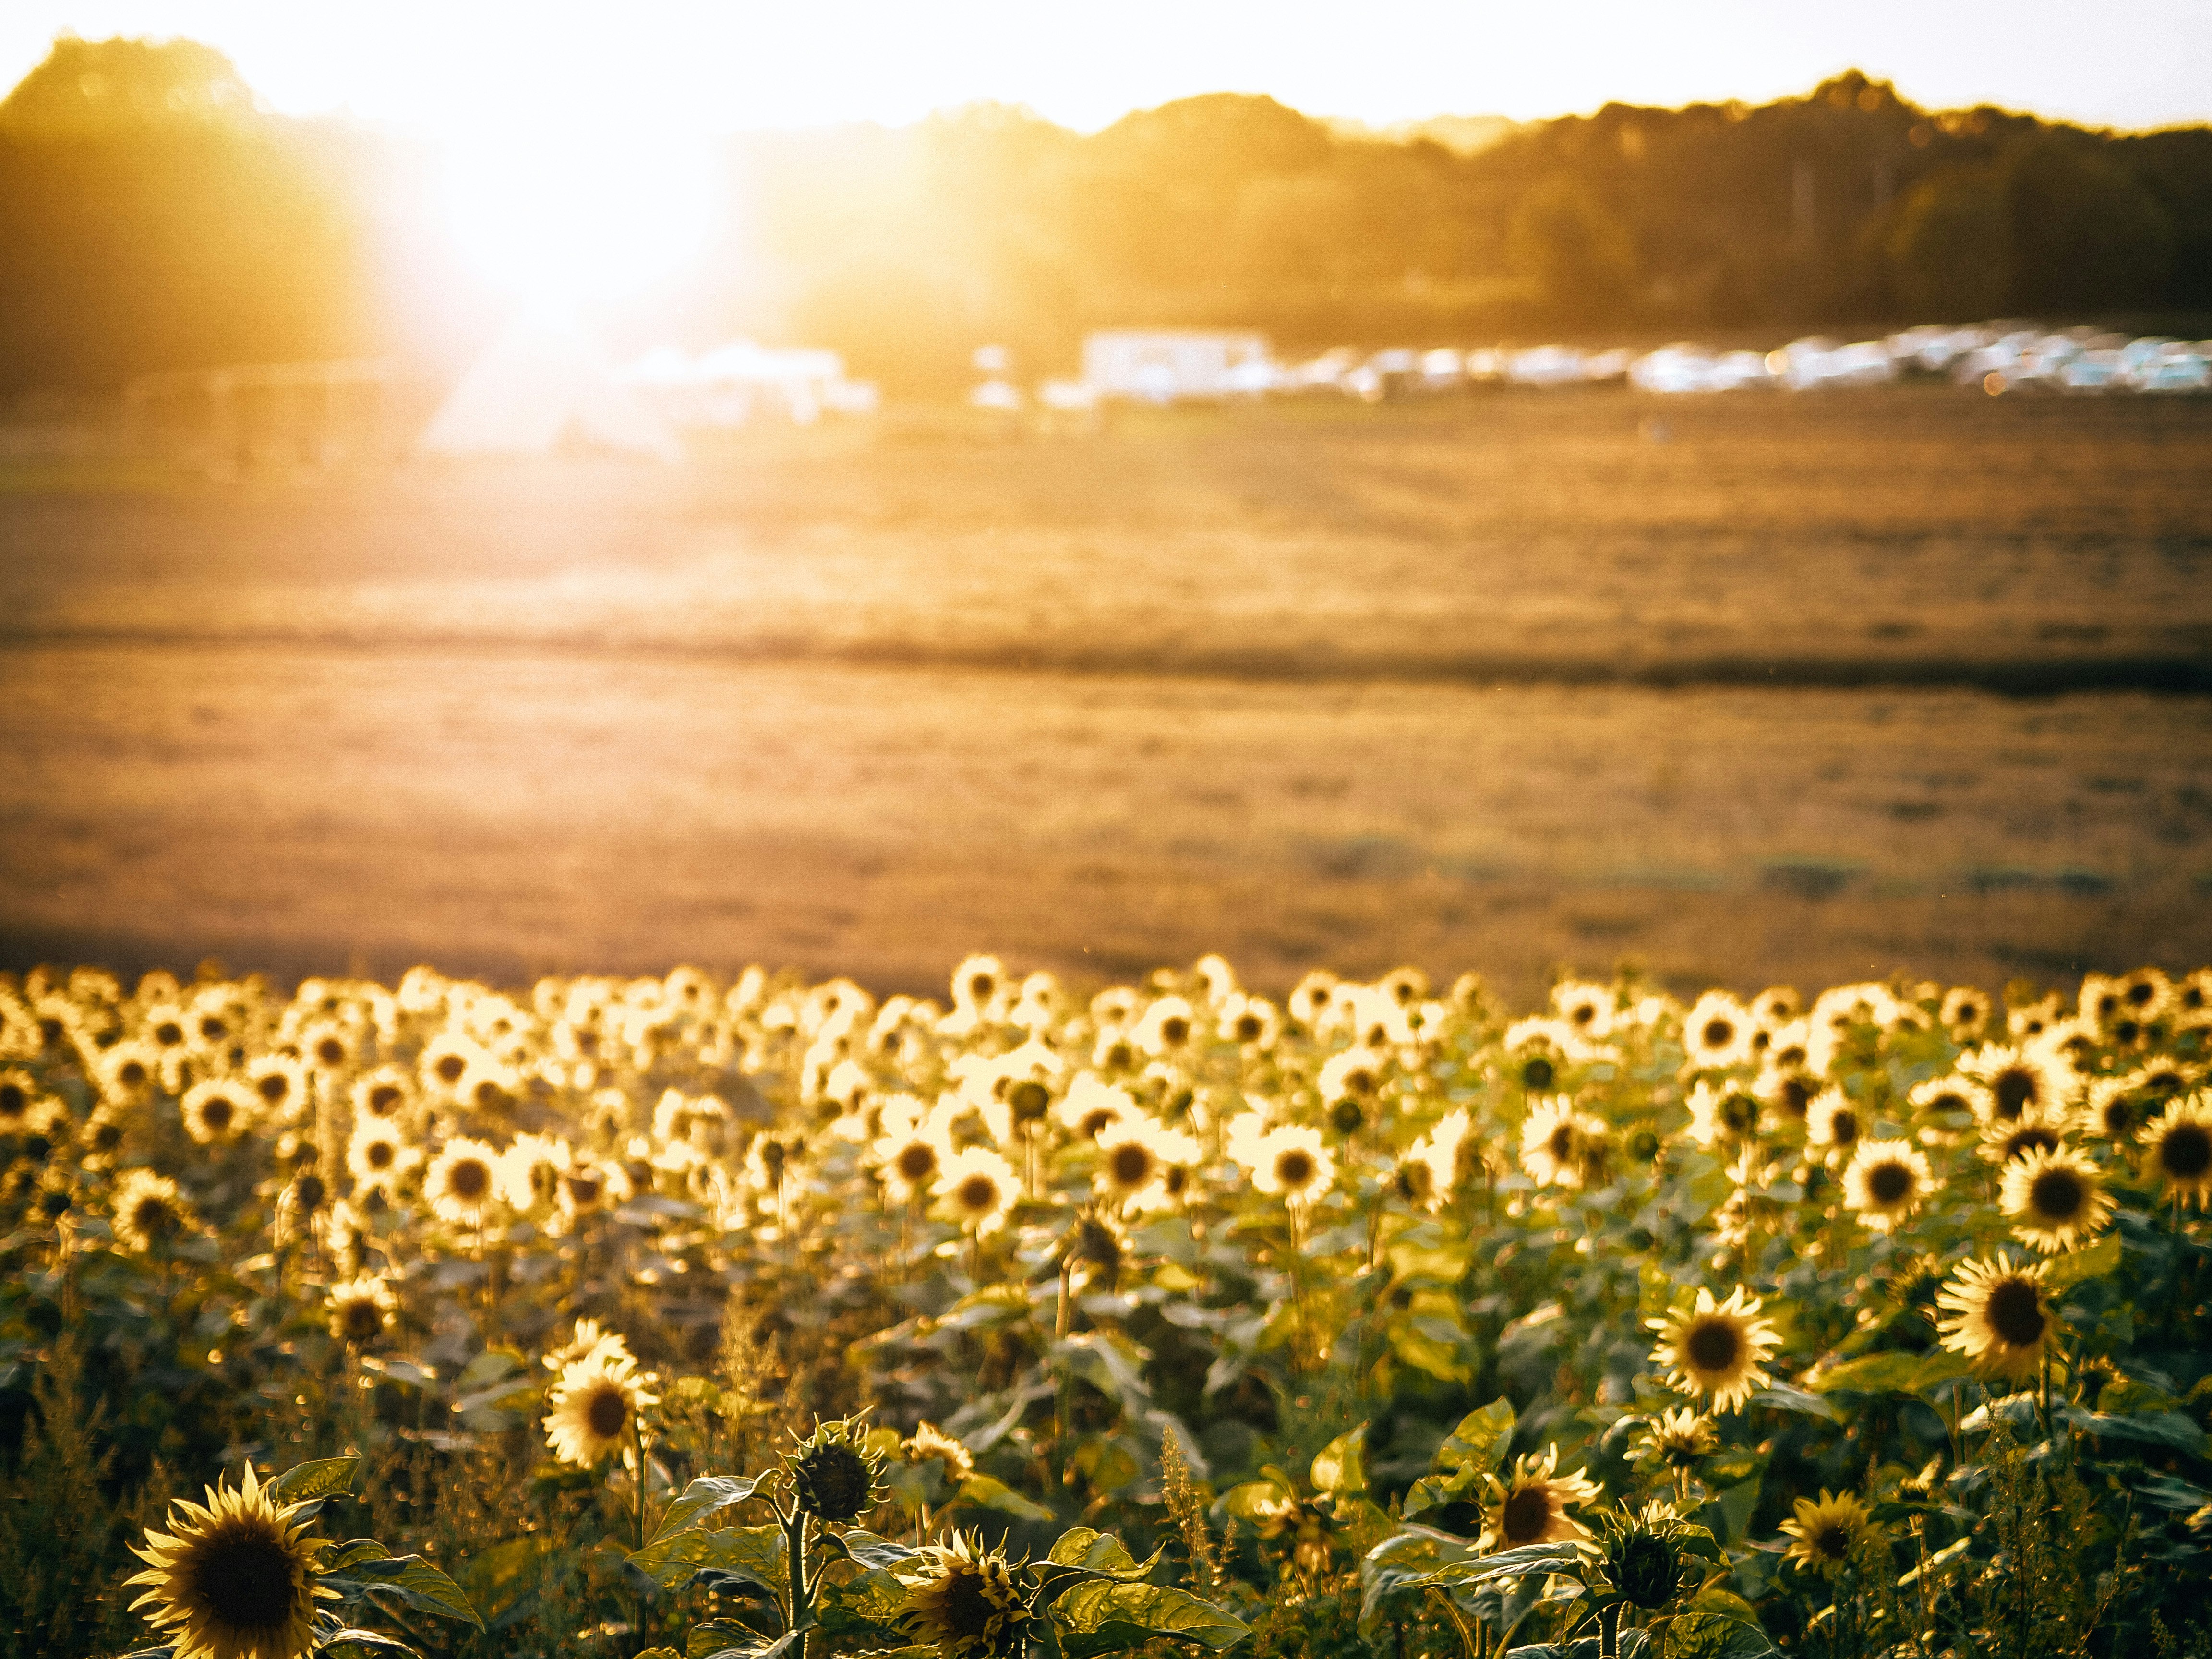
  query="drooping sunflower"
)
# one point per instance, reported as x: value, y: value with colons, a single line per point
x: 976, y: 1188
x: 361, y: 1308
x: 2178, y: 1148
x: 149, y: 1211
x: 1530, y: 1504
x: 463, y: 1180
x: 217, y: 1112
x: 2056, y: 1200
x: 967, y: 1602
x: 929, y: 1442
x: 2004, y: 1141
x: 1887, y: 1181
x: 1717, y: 1349
x: 835, y: 1474
x: 594, y: 1403
x: 1998, y: 1314
x: 1561, y: 1146
x: 1827, y: 1532
x: 233, y: 1579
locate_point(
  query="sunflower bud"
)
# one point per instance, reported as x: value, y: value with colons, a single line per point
x: 834, y: 1475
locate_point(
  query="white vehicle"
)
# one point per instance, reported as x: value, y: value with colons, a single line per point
x: 1603, y: 367
x: 1171, y: 365
x: 1545, y: 365
x: 1442, y: 371
x: 1673, y: 370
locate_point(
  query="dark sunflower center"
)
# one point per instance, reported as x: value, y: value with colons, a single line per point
x: 383, y: 1099
x: 154, y: 1217
x: 969, y: 1606
x: 1248, y: 1027
x: 378, y: 1154
x: 246, y: 1579
x: 978, y: 1192
x: 1713, y: 1345
x: 2015, y: 1313
x: 1833, y: 1542
x: 2031, y: 1140
x: 330, y: 1051
x: 133, y: 1075
x: 1889, y: 1183
x: 1538, y: 1073
x: 217, y: 1113
x: 583, y: 1189
x: 2014, y: 1090
x: 1795, y: 1098
x: 1129, y: 1165
x: 2056, y: 1194
x: 1526, y: 1514
x: 1739, y: 1114
x: 835, y: 1480
x: 1175, y: 1029
x: 915, y: 1162
x: 1562, y: 1142
x: 168, y: 1034
x: 1718, y: 1033
x: 980, y: 987
x: 1843, y: 1127
x: 1585, y: 1012
x: 275, y: 1087
x: 2141, y: 994
x: 213, y: 1029
x: 607, y: 1413
x: 2186, y: 1152
x: 1028, y: 1100
x: 470, y: 1180
x: 308, y: 1189
x: 363, y: 1320
x: 1096, y: 1123
x: 1346, y: 1117
x: 13, y: 1099
x: 1295, y: 1167
x: 1646, y: 1568
x: 449, y: 1068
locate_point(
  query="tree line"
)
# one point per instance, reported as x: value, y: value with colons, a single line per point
x: 152, y: 215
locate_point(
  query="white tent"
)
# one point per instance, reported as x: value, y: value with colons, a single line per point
x: 542, y: 386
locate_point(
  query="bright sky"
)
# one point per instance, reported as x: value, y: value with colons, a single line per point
x: 570, y: 130
x: 696, y: 65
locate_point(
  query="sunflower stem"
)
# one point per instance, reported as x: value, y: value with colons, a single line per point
x: 802, y: 1593
x: 1608, y: 1630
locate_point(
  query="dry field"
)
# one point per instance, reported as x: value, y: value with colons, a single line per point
x: 1507, y: 683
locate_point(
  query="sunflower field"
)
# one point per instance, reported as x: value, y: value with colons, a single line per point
x: 760, y: 1319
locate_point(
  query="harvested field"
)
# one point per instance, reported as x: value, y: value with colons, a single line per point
x: 1507, y: 683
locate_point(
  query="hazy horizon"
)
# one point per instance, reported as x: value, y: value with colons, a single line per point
x: 1083, y: 68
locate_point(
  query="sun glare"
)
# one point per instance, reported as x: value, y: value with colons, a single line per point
x: 561, y: 218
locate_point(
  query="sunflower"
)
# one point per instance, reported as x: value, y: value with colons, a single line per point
x: 1431, y: 1167
x: 361, y: 1308
x: 1719, y: 1113
x: 217, y: 1112
x: 280, y: 1084
x: 1674, y: 1443
x: 928, y: 1441
x: 126, y: 1072
x: 1998, y: 1314
x: 588, y: 1186
x: 149, y: 1211
x: 1529, y: 1506
x: 2003, y: 1142
x: 1717, y: 1032
x: 966, y: 1600
x: 18, y: 1089
x: 1643, y: 1554
x: 379, y: 1157
x: 384, y: 1093
x: 835, y: 1473
x: 1834, y: 1122
x: 446, y: 1060
x: 1557, y: 1143
x: 2178, y: 1146
x: 2021, y: 1082
x: 463, y: 1180
x: 1967, y: 1012
x: 1586, y: 1006
x: 234, y: 1578
x: 1887, y: 1181
x: 1827, y: 1532
x: 2056, y: 1200
x: 1717, y: 1349
x: 529, y: 1171
x: 911, y: 1150
x: 595, y: 1402
x: 1288, y: 1162
x: 977, y: 1188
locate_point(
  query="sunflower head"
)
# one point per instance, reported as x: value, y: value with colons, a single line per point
x: 1826, y: 1533
x: 1530, y: 1505
x: 969, y: 1602
x: 1094, y: 1246
x: 1675, y: 1441
x: 360, y: 1310
x: 1717, y: 1349
x: 2177, y: 1149
x: 2056, y: 1200
x: 1645, y: 1552
x: 835, y: 1473
x: 233, y: 1579
x: 151, y: 1213
x: 928, y: 1441
x: 595, y: 1404
x: 1998, y: 1313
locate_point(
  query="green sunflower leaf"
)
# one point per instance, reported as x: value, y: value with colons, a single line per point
x: 1101, y: 1618
x: 752, y: 1553
x: 322, y: 1478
